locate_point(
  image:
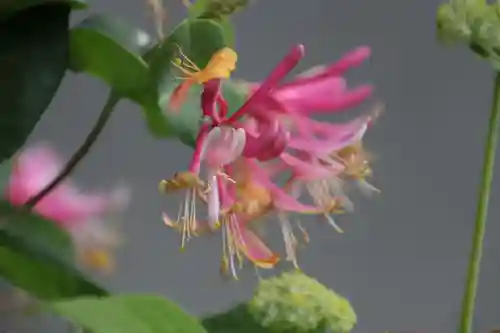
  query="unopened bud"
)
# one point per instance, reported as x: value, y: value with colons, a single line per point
x: 294, y: 302
x: 218, y: 8
x: 474, y: 23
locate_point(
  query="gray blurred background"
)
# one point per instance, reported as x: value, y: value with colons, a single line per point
x: 403, y: 257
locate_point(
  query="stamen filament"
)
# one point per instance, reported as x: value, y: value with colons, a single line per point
x: 183, y: 70
x: 332, y: 222
x: 305, y: 234
x: 188, y: 62
x: 289, y: 239
x: 238, y: 233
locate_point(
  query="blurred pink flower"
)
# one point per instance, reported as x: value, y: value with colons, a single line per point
x: 86, y: 216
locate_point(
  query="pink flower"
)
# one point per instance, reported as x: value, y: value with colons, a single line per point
x: 214, y: 152
x: 215, y: 148
x: 83, y: 215
x: 276, y: 135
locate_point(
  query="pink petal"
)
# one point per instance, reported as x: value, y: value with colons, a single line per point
x: 284, y: 202
x: 348, y: 61
x: 279, y: 72
x: 326, y: 94
x: 281, y: 200
x: 222, y: 146
x: 209, y: 99
x: 253, y: 247
x: 179, y: 96
x: 268, y: 144
x: 96, y: 204
x: 337, y: 103
x: 313, y: 95
x: 199, y: 148
x: 251, y: 126
x: 227, y: 193
x: 70, y: 208
x: 39, y: 165
x: 223, y: 108
x: 33, y: 169
x: 334, y: 136
x: 310, y: 170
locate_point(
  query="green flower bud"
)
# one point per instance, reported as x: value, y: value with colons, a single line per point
x: 294, y: 302
x: 451, y: 25
x: 474, y: 23
x: 218, y: 8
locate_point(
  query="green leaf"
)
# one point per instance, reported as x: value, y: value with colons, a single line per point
x: 38, y: 257
x: 186, y: 122
x: 219, y: 10
x: 5, y: 170
x: 239, y: 320
x: 9, y: 7
x: 236, y: 320
x: 128, y: 313
x: 199, y: 39
x: 229, y: 33
x: 33, y: 59
x: 110, y: 49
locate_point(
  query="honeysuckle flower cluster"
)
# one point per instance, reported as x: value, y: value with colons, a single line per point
x: 237, y: 158
x: 88, y: 217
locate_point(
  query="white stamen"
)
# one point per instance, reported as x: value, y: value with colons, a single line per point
x: 234, y: 248
x: 304, y: 232
x: 332, y: 222
x: 367, y: 188
x: 289, y: 239
x: 187, y: 216
x: 230, y: 250
x: 237, y: 233
x: 213, y: 203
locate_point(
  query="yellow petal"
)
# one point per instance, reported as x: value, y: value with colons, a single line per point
x: 220, y: 66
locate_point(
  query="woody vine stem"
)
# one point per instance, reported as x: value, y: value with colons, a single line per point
x: 92, y: 137
x: 469, y: 297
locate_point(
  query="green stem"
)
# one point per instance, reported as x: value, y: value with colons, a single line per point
x: 106, y: 112
x: 469, y: 297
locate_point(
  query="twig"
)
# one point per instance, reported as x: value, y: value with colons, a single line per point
x: 80, y: 153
